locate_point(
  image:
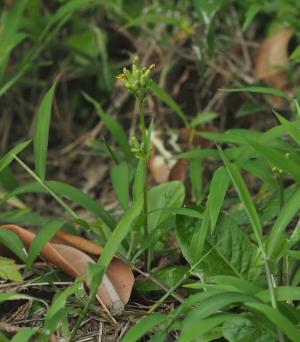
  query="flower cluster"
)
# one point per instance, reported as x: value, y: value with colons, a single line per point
x: 137, y: 81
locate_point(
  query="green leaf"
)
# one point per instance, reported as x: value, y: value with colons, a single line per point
x: 283, y: 293
x: 13, y: 243
x: 196, y: 168
x: 138, y: 183
x: 279, y: 320
x: 260, y: 90
x: 218, y: 188
x: 3, y: 338
x: 245, y: 197
x: 120, y: 181
x: 8, y: 157
x: 285, y: 216
x: 169, y: 101
x: 279, y: 159
x: 44, y: 235
x: 250, y: 14
x: 113, y: 126
x: 143, y: 326
x: 233, y: 253
x: 241, y: 329
x: 113, y: 244
x: 41, y: 134
x: 69, y: 191
x: 164, y: 196
x: 212, y: 305
x: 9, y: 270
x: 290, y: 127
x: 59, y: 301
x: 202, y: 118
x: 23, y: 335
x: 203, y: 326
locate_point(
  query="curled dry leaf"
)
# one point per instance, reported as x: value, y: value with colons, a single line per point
x: 159, y: 168
x: 272, y: 59
x: 179, y: 171
x: 73, y: 253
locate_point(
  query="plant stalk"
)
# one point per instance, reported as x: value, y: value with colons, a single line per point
x: 145, y: 185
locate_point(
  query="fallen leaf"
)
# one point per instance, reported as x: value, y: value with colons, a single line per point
x: 159, y: 168
x: 179, y: 171
x: 73, y: 253
x: 272, y: 59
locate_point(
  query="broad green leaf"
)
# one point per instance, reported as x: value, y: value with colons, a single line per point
x: 9, y: 270
x: 143, y: 326
x: 285, y: 216
x: 23, y: 335
x: 13, y: 243
x: 167, y: 195
x: 8, y: 157
x: 218, y: 188
x: 41, y: 134
x: 203, y: 326
x: 212, y: 305
x: 3, y: 338
x: 69, y: 191
x: 232, y: 252
x: 245, y: 197
x: 280, y: 159
x: 44, y: 235
x: 113, y: 126
x: 279, y: 320
x: 242, y: 329
x: 260, y: 90
x: 169, y: 101
x: 120, y: 181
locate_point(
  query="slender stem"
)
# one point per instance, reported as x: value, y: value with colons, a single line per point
x: 145, y: 185
x: 281, y: 205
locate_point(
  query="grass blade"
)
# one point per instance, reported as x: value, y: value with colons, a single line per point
x: 13, y: 243
x: 279, y: 320
x: 244, y: 196
x: 9, y: 156
x: 169, y: 101
x: 113, y: 126
x: 46, y: 234
x: 41, y: 134
x: 279, y: 159
x: 285, y: 216
x: 143, y: 326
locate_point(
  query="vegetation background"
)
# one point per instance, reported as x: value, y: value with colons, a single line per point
x: 186, y: 167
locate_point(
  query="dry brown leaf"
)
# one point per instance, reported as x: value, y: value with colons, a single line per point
x: 72, y: 254
x: 272, y: 59
x: 159, y: 168
x: 179, y: 171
